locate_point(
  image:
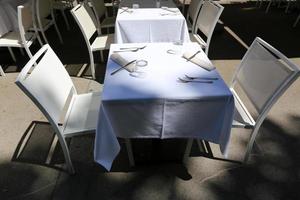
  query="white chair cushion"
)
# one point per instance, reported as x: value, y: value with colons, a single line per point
x: 108, y: 22
x: 102, y: 42
x: 83, y: 114
x: 12, y: 39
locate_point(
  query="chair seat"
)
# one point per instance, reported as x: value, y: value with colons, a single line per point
x: 12, y: 39
x: 83, y: 114
x: 108, y: 22
x: 102, y: 42
x: 241, y: 117
x: 198, y: 39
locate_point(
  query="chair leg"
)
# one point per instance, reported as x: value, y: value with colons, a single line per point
x: 28, y: 52
x: 65, y: 18
x: 297, y: 20
x: 12, y: 54
x: 66, y: 152
x: 187, y: 151
x: 22, y: 51
x: 1, y: 71
x: 268, y: 7
x: 250, y: 144
x: 44, y: 36
x: 39, y: 39
x: 101, y: 56
x: 129, y: 151
x: 58, y: 32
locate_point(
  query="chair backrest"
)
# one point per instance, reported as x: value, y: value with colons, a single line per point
x: 86, y: 20
x: 25, y: 17
x: 208, y: 17
x: 43, y: 8
x: 25, y: 23
x: 264, y: 74
x: 193, y: 11
x: 98, y: 7
x: 46, y: 82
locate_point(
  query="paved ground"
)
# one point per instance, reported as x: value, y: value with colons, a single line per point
x: 26, y: 172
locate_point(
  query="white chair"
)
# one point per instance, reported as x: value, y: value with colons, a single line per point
x: 46, y: 82
x: 1, y: 71
x: 208, y: 17
x: 263, y: 75
x: 100, y: 12
x: 43, y: 10
x: 192, y: 13
x: 85, y: 19
x: 62, y: 6
x: 23, y: 38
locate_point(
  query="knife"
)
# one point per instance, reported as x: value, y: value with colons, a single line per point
x: 122, y: 67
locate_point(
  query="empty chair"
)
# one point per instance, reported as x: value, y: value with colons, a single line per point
x: 1, y: 71
x: 62, y: 6
x: 23, y: 38
x: 100, y: 12
x: 192, y: 13
x: 208, y: 17
x: 46, y: 82
x: 85, y: 19
x: 263, y: 75
x: 44, y: 17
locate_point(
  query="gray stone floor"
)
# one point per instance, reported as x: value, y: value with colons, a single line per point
x: 26, y: 172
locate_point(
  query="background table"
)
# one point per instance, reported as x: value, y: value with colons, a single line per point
x: 148, y: 25
x: 147, y: 3
x: 9, y: 15
x: 158, y: 106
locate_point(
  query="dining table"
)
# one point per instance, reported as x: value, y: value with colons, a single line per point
x: 143, y: 25
x: 154, y: 101
x: 148, y: 3
x: 9, y: 15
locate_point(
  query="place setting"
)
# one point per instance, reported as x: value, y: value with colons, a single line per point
x: 129, y: 62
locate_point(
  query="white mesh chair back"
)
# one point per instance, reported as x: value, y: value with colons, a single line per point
x: 45, y: 80
x: 44, y: 8
x: 193, y: 11
x: 99, y: 7
x: 85, y: 18
x: 208, y: 17
x: 264, y: 74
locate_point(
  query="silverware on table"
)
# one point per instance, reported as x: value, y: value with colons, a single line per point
x: 125, y: 10
x: 192, y: 56
x: 126, y: 50
x: 129, y: 48
x: 168, y: 9
x: 193, y: 81
x: 199, y: 77
x: 122, y: 67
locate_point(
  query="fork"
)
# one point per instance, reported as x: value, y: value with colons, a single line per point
x: 134, y: 48
x: 188, y: 81
x: 203, y: 78
x: 126, y: 50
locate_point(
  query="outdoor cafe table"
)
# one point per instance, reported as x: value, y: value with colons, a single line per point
x: 147, y: 3
x: 145, y: 25
x: 157, y: 105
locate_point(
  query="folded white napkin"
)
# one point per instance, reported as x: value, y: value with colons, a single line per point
x: 122, y: 61
x: 199, y: 60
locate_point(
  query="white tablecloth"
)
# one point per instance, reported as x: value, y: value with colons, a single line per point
x: 147, y: 3
x: 9, y: 15
x: 148, y: 25
x: 158, y: 106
